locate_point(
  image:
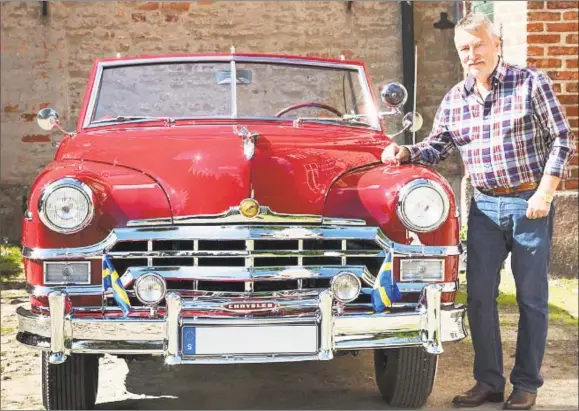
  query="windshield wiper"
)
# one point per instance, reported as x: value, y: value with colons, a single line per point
x: 125, y: 119
x: 347, y: 119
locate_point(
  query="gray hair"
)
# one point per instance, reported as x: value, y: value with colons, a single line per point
x: 475, y: 21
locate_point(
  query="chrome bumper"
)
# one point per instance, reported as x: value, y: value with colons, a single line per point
x: 63, y: 333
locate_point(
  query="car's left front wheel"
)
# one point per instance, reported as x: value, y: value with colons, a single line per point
x: 71, y: 385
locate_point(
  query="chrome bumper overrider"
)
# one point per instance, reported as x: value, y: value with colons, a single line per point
x: 63, y: 333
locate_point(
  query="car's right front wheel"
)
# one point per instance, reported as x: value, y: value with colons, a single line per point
x: 405, y: 376
x: 71, y: 385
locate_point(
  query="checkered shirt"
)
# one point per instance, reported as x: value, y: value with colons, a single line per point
x: 517, y: 134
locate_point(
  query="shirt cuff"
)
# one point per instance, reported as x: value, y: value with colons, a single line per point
x: 415, y: 152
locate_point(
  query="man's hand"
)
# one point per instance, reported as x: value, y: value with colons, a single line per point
x: 538, y: 206
x: 395, y: 154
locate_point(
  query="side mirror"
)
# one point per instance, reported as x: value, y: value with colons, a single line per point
x: 47, y: 119
x: 394, y: 95
x: 412, y: 121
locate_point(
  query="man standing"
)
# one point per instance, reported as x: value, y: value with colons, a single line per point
x: 515, y: 142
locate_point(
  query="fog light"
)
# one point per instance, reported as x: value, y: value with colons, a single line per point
x: 71, y: 272
x: 150, y: 288
x: 346, y: 286
x: 421, y: 270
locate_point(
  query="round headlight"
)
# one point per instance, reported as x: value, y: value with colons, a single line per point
x: 423, y: 205
x: 66, y: 206
x: 150, y: 288
x: 346, y: 286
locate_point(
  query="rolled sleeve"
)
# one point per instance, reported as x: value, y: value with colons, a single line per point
x: 558, y: 135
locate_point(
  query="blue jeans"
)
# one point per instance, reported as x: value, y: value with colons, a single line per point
x: 497, y: 225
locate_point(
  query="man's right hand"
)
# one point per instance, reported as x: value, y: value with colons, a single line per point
x: 395, y: 154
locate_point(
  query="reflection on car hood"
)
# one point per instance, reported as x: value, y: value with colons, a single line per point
x: 203, y: 169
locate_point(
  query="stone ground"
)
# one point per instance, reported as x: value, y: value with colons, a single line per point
x: 344, y: 383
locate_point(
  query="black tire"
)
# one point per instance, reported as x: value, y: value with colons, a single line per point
x: 72, y: 385
x: 405, y: 376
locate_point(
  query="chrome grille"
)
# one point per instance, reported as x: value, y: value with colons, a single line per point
x: 248, y: 254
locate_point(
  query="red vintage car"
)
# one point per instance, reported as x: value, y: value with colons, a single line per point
x: 233, y: 208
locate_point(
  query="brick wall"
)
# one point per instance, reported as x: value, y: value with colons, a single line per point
x: 45, y: 61
x: 511, y: 19
x: 553, y: 47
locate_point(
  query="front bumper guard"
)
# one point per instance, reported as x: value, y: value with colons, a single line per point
x: 61, y: 333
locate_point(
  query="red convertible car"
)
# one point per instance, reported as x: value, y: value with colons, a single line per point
x: 233, y: 208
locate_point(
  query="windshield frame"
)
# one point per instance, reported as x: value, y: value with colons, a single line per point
x: 87, y: 121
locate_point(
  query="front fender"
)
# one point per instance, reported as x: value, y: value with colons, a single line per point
x: 121, y: 194
x: 371, y: 194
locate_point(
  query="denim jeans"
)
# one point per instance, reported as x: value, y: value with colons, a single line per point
x: 497, y: 225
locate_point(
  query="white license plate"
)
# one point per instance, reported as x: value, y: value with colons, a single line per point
x: 290, y: 339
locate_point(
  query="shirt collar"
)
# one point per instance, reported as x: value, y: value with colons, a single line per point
x: 498, y: 75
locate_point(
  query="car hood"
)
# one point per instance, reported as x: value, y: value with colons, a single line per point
x: 203, y: 169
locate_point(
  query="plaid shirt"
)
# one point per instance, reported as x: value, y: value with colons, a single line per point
x: 517, y: 134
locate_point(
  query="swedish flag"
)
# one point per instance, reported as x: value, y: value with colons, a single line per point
x: 385, y: 290
x: 111, y: 280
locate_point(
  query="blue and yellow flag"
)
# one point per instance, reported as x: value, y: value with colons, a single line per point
x: 385, y: 290
x: 112, y: 280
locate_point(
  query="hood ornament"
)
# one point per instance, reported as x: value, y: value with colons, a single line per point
x: 249, y: 139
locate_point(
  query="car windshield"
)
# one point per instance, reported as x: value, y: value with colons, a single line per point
x: 267, y: 90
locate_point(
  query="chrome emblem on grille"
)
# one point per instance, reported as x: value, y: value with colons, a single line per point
x: 249, y: 208
x: 250, y: 306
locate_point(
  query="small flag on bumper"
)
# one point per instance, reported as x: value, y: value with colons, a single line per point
x: 385, y: 290
x: 111, y: 280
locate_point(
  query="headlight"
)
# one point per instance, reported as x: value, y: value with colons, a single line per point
x: 346, y: 286
x: 66, y: 206
x: 422, y: 205
x: 150, y: 288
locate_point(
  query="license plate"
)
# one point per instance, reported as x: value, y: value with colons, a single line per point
x: 291, y: 339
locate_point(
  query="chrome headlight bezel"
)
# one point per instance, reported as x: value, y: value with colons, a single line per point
x: 344, y: 274
x: 409, y: 188
x: 137, y: 291
x: 71, y: 183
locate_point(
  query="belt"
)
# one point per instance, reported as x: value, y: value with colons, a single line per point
x: 510, y: 190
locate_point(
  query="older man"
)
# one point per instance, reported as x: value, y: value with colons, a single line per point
x: 512, y: 135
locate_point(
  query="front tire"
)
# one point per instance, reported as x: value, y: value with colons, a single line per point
x: 71, y: 385
x: 405, y: 376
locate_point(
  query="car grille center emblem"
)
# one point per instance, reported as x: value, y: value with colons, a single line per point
x: 249, y: 208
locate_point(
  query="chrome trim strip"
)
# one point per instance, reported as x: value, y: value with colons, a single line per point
x: 93, y: 96
x: 233, y: 215
x: 233, y: 83
x: 249, y: 275
x: 245, y: 273
x: 416, y: 287
x: 249, y: 254
x: 74, y: 290
x: 242, y: 232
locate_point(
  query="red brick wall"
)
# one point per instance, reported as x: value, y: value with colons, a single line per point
x: 552, y: 42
